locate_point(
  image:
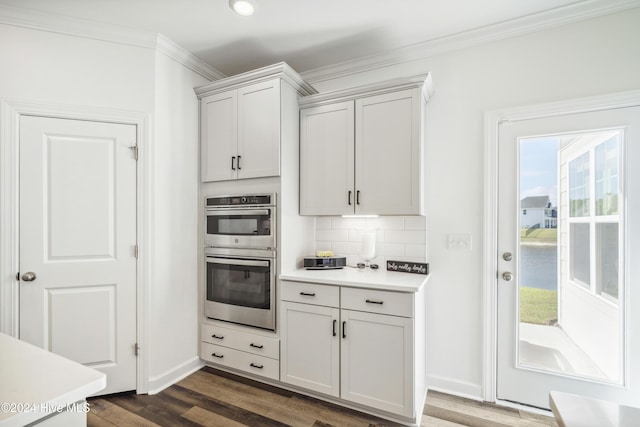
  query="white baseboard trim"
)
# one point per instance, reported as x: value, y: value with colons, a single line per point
x: 454, y: 387
x: 166, y: 379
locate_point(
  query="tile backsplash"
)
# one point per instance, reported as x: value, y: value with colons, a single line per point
x: 400, y: 238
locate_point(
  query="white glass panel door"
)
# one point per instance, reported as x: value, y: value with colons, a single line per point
x: 568, y: 202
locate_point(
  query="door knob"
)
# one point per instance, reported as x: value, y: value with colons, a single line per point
x: 29, y: 276
x: 507, y: 256
x: 507, y: 276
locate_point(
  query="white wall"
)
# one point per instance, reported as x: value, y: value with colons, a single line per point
x: 592, y: 57
x: 173, y: 291
x: 56, y: 68
x: 48, y: 67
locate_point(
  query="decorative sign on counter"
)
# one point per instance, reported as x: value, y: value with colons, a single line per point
x: 408, y: 267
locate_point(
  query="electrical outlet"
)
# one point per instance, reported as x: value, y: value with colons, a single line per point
x: 460, y: 242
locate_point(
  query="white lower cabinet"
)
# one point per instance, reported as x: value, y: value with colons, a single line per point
x: 311, y: 347
x: 346, y: 348
x: 377, y: 361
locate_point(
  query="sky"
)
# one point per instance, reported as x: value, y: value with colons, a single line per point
x: 539, y: 168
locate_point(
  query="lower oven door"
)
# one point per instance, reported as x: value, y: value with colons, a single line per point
x: 241, y: 290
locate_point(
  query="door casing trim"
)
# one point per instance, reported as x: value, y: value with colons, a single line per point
x: 492, y: 122
x: 10, y: 113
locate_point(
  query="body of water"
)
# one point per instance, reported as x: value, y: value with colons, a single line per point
x: 539, y: 266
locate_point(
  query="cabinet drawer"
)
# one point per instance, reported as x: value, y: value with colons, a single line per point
x: 374, y: 301
x: 311, y: 293
x: 238, y: 340
x: 247, y: 362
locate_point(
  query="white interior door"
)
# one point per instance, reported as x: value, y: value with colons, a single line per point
x: 568, y: 235
x: 77, y: 243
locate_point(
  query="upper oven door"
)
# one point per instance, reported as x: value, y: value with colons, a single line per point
x: 241, y: 227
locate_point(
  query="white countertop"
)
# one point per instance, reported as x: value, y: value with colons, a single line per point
x: 572, y: 410
x: 35, y: 382
x: 360, y: 278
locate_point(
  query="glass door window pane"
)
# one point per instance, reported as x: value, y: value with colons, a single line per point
x: 579, y: 186
x: 569, y: 284
x: 606, y: 176
x: 579, y: 255
x: 607, y: 259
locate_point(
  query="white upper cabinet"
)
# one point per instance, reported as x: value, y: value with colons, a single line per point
x: 219, y: 136
x: 241, y: 119
x: 327, y: 159
x: 389, y: 154
x: 362, y: 150
x: 259, y: 130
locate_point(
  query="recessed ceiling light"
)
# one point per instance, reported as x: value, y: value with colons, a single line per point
x: 243, y: 7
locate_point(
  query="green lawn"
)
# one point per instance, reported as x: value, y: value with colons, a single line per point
x: 538, y: 306
x: 542, y: 235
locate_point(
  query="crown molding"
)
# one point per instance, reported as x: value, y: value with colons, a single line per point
x: 421, y: 81
x: 280, y: 70
x: 576, y: 12
x: 59, y: 24
x: 186, y: 58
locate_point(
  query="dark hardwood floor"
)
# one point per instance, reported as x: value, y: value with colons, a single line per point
x: 214, y: 398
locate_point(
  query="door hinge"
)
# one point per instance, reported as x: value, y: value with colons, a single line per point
x: 136, y: 349
x: 134, y: 148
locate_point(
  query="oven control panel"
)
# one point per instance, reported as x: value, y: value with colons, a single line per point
x: 254, y: 199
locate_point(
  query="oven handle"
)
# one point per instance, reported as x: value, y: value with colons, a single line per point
x: 234, y: 261
x: 227, y: 211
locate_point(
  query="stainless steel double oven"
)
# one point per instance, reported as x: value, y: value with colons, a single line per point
x: 240, y: 259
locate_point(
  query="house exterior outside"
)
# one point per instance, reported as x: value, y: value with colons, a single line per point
x: 536, y: 212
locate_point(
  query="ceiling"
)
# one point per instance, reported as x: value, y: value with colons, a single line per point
x: 307, y: 34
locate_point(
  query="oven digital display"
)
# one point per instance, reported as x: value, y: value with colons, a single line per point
x: 239, y: 200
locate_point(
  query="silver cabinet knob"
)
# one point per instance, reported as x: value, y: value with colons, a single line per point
x: 29, y: 276
x: 507, y: 276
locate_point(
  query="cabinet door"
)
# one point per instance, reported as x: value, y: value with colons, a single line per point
x: 326, y: 160
x: 259, y: 130
x: 377, y: 361
x: 218, y: 136
x: 389, y: 153
x: 310, y: 347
